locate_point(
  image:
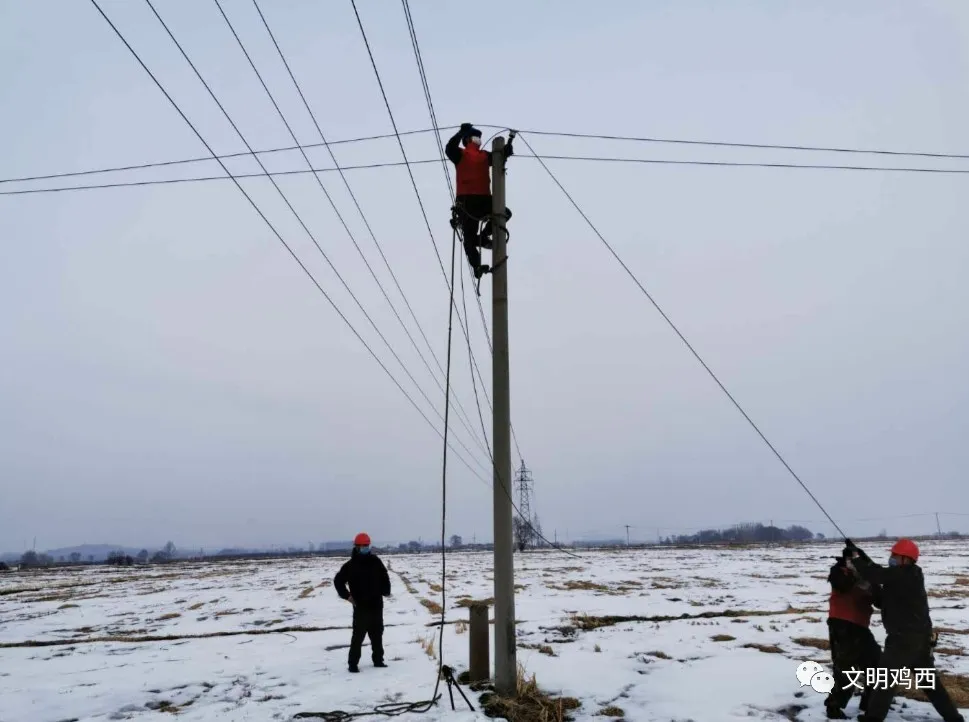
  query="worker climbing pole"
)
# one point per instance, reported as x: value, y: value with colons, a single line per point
x: 472, y: 212
x: 474, y: 205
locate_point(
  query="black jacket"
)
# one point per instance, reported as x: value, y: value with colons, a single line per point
x: 367, y: 578
x: 904, y: 603
x: 843, y: 582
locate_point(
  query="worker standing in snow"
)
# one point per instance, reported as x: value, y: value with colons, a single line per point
x: 908, y: 626
x: 853, y: 646
x: 366, y: 576
x: 473, y: 196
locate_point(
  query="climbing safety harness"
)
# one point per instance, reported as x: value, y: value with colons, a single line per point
x: 485, y: 236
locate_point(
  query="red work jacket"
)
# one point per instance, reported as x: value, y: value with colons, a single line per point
x: 473, y: 172
x: 852, y: 606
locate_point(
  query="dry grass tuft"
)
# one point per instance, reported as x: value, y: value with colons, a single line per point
x: 722, y: 638
x: 949, y: 592
x: 170, y: 615
x: 427, y: 644
x: 611, y: 711
x: 468, y: 602
x: 69, y: 606
x: 659, y: 655
x: 531, y: 703
x: 816, y: 642
x: 597, y: 649
x: 950, y: 651
x: 586, y: 622
x: 407, y: 585
x: 197, y: 605
x: 435, y: 588
x: 962, y: 581
x: 572, y: 585
x: 432, y: 606
x: 306, y: 592
x: 951, y: 630
x: 768, y: 648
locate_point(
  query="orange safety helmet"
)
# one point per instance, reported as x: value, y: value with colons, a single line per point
x: 363, y: 540
x: 906, y: 548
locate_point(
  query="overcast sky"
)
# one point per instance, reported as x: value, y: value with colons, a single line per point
x: 167, y: 371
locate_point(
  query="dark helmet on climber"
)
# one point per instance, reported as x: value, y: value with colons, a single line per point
x: 470, y: 134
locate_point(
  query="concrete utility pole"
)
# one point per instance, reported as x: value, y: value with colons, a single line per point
x: 506, y: 667
x: 627, y: 535
x: 937, y: 524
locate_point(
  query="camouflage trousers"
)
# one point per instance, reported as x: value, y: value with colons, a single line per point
x: 911, y: 652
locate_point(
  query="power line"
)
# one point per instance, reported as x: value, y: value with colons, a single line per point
x: 540, y: 158
x: 464, y: 421
x: 393, y: 123
x: 738, y: 164
x: 430, y: 106
x: 188, y: 161
x: 764, y: 146
x: 274, y: 231
x: 415, y: 44
x: 200, y: 179
x: 301, y: 222
x: 407, y: 163
x: 683, y: 339
x: 590, y: 136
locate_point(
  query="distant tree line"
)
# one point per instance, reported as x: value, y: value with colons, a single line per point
x: 745, y: 533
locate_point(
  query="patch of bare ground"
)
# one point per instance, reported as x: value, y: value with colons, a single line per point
x: 768, y: 648
x: 407, y: 585
x: 666, y: 583
x: 572, y: 585
x: 435, y: 588
x: 197, y: 605
x: 586, y: 622
x: 69, y: 606
x: 170, y: 615
x: 722, y: 638
x: 541, y: 648
x: 659, y: 655
x: 531, y: 704
x: 133, y: 639
x: 816, y: 642
x: 957, y: 685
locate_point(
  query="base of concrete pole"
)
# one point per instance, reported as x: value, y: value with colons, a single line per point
x: 479, y: 663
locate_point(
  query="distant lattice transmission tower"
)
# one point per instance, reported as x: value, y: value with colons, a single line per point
x: 527, y: 528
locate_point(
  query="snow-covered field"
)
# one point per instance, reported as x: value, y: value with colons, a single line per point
x: 706, y: 635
